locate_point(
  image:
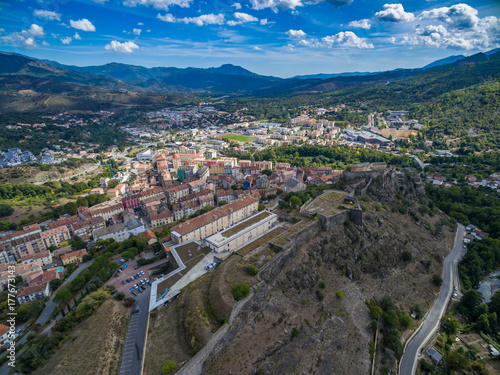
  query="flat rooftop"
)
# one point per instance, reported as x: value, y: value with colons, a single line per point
x: 245, y: 224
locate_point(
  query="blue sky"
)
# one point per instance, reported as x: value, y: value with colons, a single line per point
x: 273, y: 37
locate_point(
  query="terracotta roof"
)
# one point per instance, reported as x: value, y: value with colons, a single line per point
x: 162, y: 215
x: 210, y: 216
x: 149, y: 235
x: 3, y: 329
x: 30, y: 228
x: 50, y: 275
x: 26, y: 291
x: 79, y: 253
x: 64, y: 221
x: 41, y: 254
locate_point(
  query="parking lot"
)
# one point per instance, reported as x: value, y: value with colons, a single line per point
x: 129, y: 272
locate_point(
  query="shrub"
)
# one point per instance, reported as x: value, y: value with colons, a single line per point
x: 120, y: 296
x: 252, y: 270
x: 322, y: 284
x: 295, y: 332
x: 240, y: 291
x: 407, y: 257
x: 129, y: 301
x: 340, y: 295
x: 168, y: 367
x: 437, y: 279
x: 320, y: 295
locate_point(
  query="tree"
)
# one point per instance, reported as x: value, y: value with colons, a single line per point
x: 127, y: 255
x: 119, y: 296
x: 375, y: 312
x: 54, y: 284
x: 449, y: 324
x: 87, y: 257
x: 295, y: 201
x: 5, y: 210
x: 261, y: 207
x: 77, y: 243
x: 469, y: 302
x: 222, y: 203
x: 70, y: 208
x: 457, y: 360
x: 419, y: 311
x: 483, y: 324
x: 13, y: 226
x: 437, y: 279
x: 267, y: 172
x: 240, y: 291
x: 63, y: 296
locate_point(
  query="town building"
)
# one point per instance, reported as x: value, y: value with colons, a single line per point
x: 294, y: 185
x: 44, y: 257
x: 73, y: 257
x: 54, y: 237
x: 213, y: 221
x: 29, y: 293
x: 242, y: 233
x: 118, y: 232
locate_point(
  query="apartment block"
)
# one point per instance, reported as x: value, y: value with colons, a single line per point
x: 216, y: 220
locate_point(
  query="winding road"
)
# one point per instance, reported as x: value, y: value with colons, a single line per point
x: 431, y: 324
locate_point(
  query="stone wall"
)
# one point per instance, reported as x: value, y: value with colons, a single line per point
x: 273, y: 268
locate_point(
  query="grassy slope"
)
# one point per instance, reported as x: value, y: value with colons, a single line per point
x: 96, y: 345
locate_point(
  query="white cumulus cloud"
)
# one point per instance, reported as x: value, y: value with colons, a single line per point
x: 236, y: 6
x: 24, y: 38
x: 69, y: 39
x: 296, y: 33
x: 244, y: 17
x: 257, y: 48
x: 346, y: 38
x: 458, y: 15
x: 137, y: 31
x: 83, y: 24
x: 362, y: 24
x: 204, y: 19
x: 158, y: 4
x: 45, y: 14
x: 125, y: 47
x: 394, y: 13
x: 275, y: 4
x: 263, y: 21
x: 456, y: 27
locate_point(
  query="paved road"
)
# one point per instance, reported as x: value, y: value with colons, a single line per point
x: 133, y: 348
x: 50, y: 306
x: 417, y: 159
x: 427, y: 329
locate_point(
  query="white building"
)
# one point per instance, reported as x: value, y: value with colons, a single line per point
x: 145, y: 155
x: 29, y: 293
x: 242, y: 233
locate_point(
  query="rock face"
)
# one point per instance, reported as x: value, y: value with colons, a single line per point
x: 296, y: 322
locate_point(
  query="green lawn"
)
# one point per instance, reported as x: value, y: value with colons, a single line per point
x: 238, y: 137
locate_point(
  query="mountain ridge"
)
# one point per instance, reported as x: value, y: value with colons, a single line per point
x: 227, y: 78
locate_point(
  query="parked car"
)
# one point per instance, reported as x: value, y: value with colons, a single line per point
x: 142, y: 273
x: 150, y: 283
x: 124, y: 282
x: 137, y: 267
x: 114, y: 291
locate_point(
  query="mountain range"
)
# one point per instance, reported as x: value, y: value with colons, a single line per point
x: 224, y: 79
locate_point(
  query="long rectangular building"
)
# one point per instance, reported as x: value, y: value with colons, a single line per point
x: 214, y: 221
